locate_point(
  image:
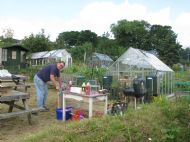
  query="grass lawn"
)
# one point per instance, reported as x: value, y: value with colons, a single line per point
x: 162, y: 120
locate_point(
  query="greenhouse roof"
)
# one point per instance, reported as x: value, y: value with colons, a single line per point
x: 143, y: 59
x: 38, y: 55
x: 103, y: 57
x: 52, y: 53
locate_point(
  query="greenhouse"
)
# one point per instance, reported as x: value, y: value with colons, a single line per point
x: 136, y: 63
x: 100, y: 60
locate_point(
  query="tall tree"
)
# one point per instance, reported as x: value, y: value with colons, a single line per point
x: 87, y: 36
x: 38, y: 42
x: 109, y: 47
x: 140, y: 34
x: 82, y: 51
x: 67, y: 39
x: 7, y: 37
x: 185, y: 55
x: 131, y: 33
x: 75, y: 38
x: 164, y: 40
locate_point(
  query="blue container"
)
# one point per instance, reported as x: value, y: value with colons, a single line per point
x: 68, y: 115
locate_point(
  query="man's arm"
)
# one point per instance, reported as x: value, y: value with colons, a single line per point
x: 60, y: 81
x: 52, y: 78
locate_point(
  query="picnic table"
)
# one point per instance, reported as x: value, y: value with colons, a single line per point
x: 11, y: 99
x: 15, y: 81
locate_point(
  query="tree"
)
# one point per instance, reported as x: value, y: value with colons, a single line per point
x: 87, y: 36
x: 131, y: 33
x: 8, y: 33
x: 7, y: 37
x: 37, y: 43
x: 163, y: 39
x: 142, y: 35
x: 185, y: 56
x: 75, y: 38
x: 79, y: 52
x: 67, y: 39
x: 109, y: 47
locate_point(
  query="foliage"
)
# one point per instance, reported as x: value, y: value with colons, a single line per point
x: 182, y: 81
x: 131, y: 33
x: 150, y: 123
x: 140, y: 34
x: 109, y: 47
x: 38, y: 42
x: 185, y: 56
x: 7, y: 42
x: 137, y: 34
x: 67, y: 39
x: 75, y: 38
x: 79, y: 53
x: 164, y: 40
x: 8, y: 33
x: 177, y: 67
x: 30, y: 71
x: 88, y: 73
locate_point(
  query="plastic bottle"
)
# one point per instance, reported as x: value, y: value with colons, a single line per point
x: 83, y: 86
x: 88, y: 89
x: 70, y: 85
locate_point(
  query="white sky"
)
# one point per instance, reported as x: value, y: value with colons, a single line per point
x: 56, y: 16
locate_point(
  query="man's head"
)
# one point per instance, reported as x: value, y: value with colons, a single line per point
x: 60, y: 65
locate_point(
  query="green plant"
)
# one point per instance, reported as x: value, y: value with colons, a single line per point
x: 170, y: 134
x: 30, y: 71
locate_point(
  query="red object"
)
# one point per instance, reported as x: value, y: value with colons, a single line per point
x: 77, y: 115
x: 87, y: 89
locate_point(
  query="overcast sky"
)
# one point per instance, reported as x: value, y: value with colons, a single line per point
x: 56, y: 16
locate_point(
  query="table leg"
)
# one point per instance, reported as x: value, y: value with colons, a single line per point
x: 63, y: 106
x: 90, y: 107
x: 27, y: 108
x: 106, y: 104
x: 11, y: 105
x: 135, y: 99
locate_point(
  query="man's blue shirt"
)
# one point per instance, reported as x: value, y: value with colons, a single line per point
x: 45, y: 72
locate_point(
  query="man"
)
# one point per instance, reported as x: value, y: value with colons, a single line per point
x: 47, y: 73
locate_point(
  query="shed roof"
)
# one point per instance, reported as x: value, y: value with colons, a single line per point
x: 16, y: 45
x: 143, y: 59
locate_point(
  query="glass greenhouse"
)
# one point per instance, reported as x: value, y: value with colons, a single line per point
x: 138, y: 63
x: 100, y: 60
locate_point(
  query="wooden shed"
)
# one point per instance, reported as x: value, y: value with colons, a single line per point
x: 13, y: 57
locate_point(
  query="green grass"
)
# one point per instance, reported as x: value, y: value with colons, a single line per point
x: 160, y: 121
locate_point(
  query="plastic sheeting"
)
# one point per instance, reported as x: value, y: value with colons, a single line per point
x: 4, y: 73
x: 143, y: 59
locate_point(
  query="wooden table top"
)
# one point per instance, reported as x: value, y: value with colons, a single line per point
x: 14, y: 95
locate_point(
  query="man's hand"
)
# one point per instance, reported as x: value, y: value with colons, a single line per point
x: 57, y: 88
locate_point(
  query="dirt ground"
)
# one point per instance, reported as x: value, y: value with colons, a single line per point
x: 18, y: 126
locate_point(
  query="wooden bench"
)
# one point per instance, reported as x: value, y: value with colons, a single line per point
x: 18, y: 113
x: 10, y: 100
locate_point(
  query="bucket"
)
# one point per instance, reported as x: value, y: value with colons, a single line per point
x: 59, y: 113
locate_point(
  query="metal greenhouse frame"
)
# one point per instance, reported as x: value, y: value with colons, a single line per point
x: 138, y: 63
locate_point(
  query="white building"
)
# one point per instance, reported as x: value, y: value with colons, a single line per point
x: 45, y: 57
